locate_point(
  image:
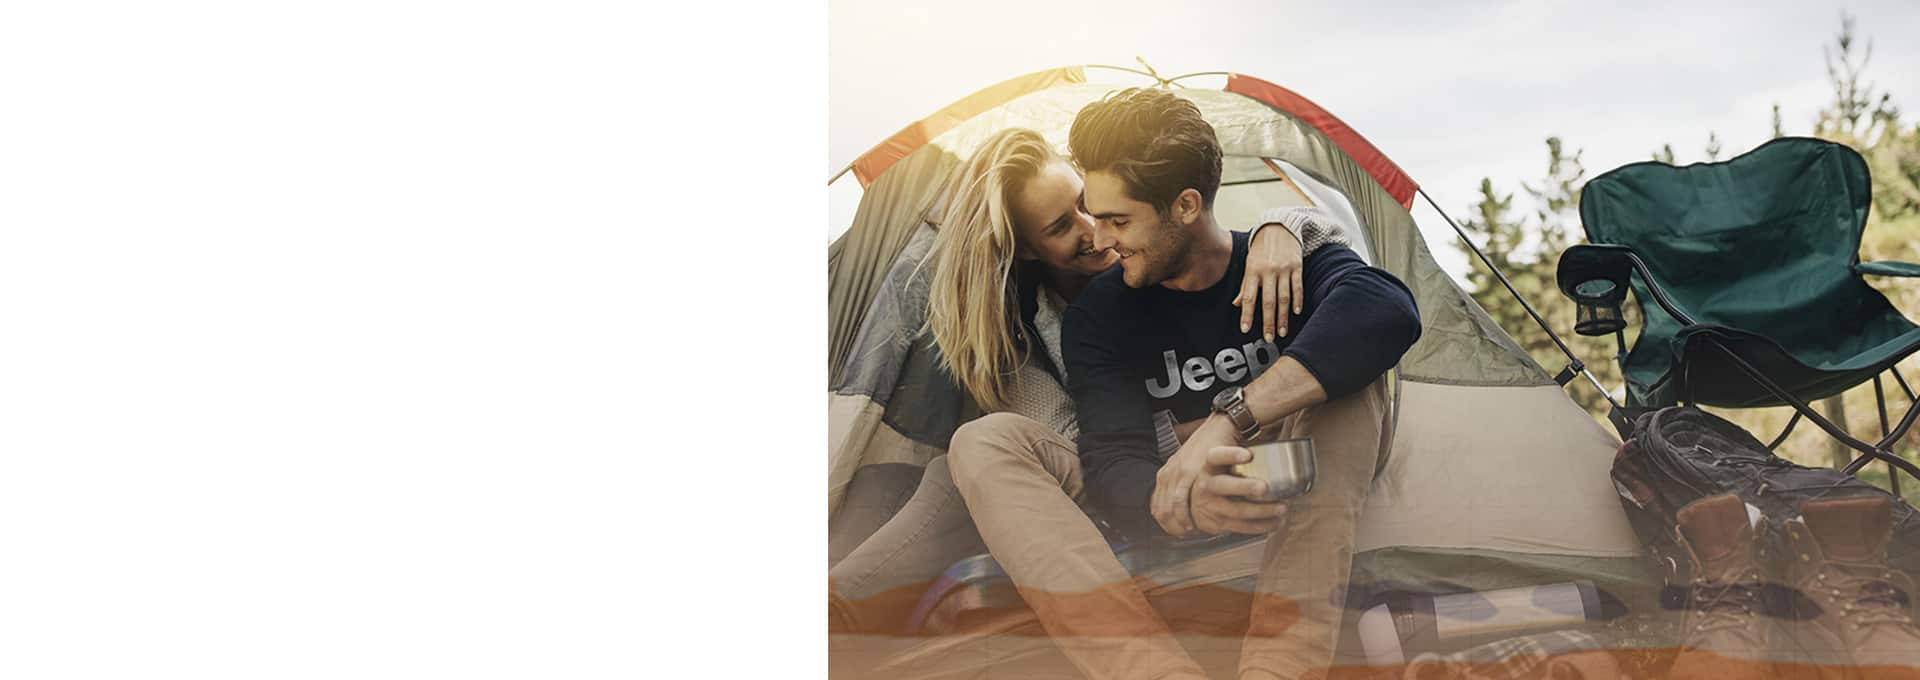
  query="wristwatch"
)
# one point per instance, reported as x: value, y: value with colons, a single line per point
x: 1232, y: 403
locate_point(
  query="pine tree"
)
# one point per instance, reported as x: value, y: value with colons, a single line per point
x: 1867, y: 120
x: 1852, y: 100
x: 1528, y: 252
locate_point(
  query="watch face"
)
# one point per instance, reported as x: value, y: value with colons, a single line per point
x: 1224, y: 397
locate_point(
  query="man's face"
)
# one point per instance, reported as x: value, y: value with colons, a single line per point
x: 1150, y: 247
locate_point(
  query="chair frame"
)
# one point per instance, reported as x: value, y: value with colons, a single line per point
x: 1613, y: 255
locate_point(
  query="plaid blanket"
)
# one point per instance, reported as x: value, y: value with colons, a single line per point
x: 1557, y: 655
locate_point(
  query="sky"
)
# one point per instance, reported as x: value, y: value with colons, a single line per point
x: 1452, y: 94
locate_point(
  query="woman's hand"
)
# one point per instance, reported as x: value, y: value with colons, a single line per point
x: 1272, y: 281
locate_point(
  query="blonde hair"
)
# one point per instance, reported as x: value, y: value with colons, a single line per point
x: 971, y: 306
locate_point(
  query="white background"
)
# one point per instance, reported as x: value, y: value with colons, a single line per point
x: 410, y: 339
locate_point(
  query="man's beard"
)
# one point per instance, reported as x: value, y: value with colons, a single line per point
x: 1165, y: 258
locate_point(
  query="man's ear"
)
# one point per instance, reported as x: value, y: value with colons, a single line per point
x: 1188, y: 206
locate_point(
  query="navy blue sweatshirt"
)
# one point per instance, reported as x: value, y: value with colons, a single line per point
x: 1133, y: 352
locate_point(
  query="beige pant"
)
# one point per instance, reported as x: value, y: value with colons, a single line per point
x: 1023, y: 484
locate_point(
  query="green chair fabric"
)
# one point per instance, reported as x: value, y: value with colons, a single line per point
x: 1888, y: 268
x: 1759, y: 253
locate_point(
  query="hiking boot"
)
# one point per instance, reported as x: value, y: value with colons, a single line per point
x: 1725, y: 632
x: 1850, y: 608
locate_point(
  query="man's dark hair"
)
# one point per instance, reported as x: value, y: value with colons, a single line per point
x: 1154, y: 141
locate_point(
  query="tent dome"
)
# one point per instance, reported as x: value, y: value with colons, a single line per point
x: 1495, y: 477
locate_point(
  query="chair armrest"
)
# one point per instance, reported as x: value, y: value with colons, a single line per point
x: 1596, y: 278
x: 1887, y: 268
x: 1590, y: 262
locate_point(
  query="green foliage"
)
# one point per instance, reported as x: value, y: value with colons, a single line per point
x: 1527, y: 249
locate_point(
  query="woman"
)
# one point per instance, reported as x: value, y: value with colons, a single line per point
x: 1013, y: 249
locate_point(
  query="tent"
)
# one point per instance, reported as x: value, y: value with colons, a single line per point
x: 1495, y: 478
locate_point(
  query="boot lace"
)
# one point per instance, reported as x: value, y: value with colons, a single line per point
x: 1867, y: 596
x: 1726, y: 605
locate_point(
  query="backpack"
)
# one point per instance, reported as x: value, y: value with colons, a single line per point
x: 1681, y: 454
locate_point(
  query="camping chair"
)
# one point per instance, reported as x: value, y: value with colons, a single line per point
x: 1752, y: 266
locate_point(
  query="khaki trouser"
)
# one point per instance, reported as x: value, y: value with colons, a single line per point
x: 876, y: 586
x: 1023, y: 485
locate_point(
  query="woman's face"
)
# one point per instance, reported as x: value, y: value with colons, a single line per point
x: 1051, y: 225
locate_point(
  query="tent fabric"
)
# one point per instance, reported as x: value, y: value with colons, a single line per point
x: 892, y: 362
x: 1390, y: 176
x: 1759, y: 250
x: 858, y: 262
x: 1530, y: 482
x: 875, y: 162
x: 1544, y: 489
x: 1332, y: 204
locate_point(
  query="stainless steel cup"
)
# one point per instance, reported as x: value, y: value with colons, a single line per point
x: 1286, y: 465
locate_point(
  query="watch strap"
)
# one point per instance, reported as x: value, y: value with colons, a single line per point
x: 1235, y: 408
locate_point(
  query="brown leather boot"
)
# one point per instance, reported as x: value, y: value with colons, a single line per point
x: 1851, y: 609
x: 1725, y: 633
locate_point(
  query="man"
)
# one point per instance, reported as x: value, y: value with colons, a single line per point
x: 1154, y: 336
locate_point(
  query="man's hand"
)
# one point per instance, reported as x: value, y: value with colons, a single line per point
x: 1220, y: 502
x: 1173, y: 487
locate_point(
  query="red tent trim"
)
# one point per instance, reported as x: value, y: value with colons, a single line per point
x: 1390, y: 176
x: 875, y: 161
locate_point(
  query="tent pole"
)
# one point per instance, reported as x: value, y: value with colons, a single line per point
x: 1576, y: 363
x: 1184, y: 76
x: 1158, y: 81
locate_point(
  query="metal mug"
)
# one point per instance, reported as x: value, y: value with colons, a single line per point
x: 1286, y: 465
